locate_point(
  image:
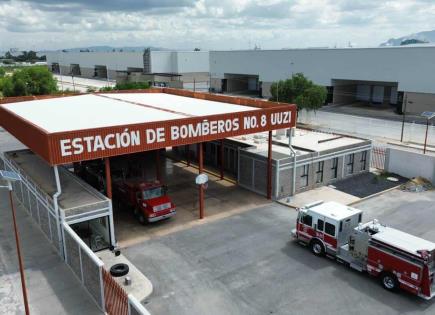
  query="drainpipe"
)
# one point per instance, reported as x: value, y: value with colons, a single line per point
x: 292, y: 153
x: 57, y: 211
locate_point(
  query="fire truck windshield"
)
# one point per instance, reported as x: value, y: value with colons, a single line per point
x: 153, y: 193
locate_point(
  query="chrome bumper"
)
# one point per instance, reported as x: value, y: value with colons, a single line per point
x: 162, y: 217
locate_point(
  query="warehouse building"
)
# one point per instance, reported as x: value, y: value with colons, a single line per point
x: 375, y: 76
x: 180, y: 69
x: 320, y: 159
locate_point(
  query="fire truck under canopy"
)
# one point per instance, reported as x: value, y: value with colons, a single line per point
x: 69, y: 129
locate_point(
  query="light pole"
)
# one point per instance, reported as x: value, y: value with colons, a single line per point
x: 10, y: 177
x: 428, y: 116
x: 404, y: 114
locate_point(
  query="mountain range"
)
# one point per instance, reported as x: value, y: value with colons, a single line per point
x: 416, y: 38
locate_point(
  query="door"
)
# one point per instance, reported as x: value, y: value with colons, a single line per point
x: 319, y: 227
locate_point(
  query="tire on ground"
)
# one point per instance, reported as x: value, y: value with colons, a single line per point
x: 119, y: 270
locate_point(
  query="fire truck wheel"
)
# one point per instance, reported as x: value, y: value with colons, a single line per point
x: 141, y: 218
x: 317, y: 248
x: 389, y: 281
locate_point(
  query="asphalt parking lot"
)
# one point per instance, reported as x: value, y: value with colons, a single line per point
x: 248, y: 264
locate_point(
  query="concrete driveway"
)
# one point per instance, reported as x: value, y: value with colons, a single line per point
x: 247, y: 264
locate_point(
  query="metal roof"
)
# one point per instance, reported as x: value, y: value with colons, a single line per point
x: 108, y: 110
x: 85, y: 127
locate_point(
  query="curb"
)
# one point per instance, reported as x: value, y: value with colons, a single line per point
x: 374, y: 195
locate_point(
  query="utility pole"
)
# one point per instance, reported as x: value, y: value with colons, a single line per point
x: 404, y: 115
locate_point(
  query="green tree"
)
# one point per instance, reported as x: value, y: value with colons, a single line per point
x: 2, y: 72
x: 29, y: 81
x: 300, y: 91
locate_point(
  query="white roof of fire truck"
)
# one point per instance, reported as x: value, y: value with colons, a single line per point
x: 401, y: 240
x: 332, y: 210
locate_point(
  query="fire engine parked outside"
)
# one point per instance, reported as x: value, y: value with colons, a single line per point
x: 398, y: 259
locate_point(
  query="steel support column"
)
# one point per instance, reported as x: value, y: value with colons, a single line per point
x: 187, y: 149
x: 222, y: 158
x: 269, y: 166
x: 108, y: 178
x: 158, y: 166
x: 201, y: 187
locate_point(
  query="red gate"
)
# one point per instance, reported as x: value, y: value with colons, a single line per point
x: 378, y: 157
x: 115, y: 298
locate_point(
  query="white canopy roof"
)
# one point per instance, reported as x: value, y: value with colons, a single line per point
x: 106, y: 110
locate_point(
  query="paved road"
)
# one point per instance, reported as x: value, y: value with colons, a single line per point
x: 52, y: 287
x: 376, y: 129
x: 247, y: 264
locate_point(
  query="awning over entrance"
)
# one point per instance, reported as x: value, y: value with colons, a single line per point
x: 84, y: 127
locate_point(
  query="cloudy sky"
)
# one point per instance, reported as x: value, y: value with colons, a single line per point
x: 209, y: 24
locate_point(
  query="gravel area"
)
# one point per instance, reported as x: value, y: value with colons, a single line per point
x: 367, y: 184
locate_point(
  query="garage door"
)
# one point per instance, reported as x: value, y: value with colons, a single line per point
x: 378, y: 94
x: 252, y: 84
x: 363, y: 92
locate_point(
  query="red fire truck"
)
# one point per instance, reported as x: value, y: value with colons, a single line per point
x: 148, y: 200
x: 398, y: 259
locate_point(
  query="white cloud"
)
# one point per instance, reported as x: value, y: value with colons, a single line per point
x: 209, y: 24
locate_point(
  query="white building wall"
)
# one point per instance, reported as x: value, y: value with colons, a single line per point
x: 119, y: 61
x: 162, y: 62
x: 412, y: 67
x: 193, y: 61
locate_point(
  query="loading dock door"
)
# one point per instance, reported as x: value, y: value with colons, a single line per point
x: 378, y: 94
x: 363, y: 92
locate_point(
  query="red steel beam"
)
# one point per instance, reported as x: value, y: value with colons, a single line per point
x: 108, y: 178
x: 201, y: 187
x: 269, y: 167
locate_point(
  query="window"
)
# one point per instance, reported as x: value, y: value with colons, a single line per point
x: 363, y: 160
x: 304, y: 176
x: 349, y: 163
x: 360, y: 218
x: 319, y: 172
x: 329, y: 229
x: 334, y: 168
x: 307, y: 219
x: 320, y: 225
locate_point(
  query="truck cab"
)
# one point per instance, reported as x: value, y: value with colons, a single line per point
x: 149, y: 200
x: 326, y: 226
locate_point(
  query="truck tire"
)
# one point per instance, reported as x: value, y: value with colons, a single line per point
x: 119, y: 270
x: 317, y: 248
x: 389, y: 281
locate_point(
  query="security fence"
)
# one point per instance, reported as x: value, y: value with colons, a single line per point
x: 38, y: 204
x: 90, y: 271
x: 85, y: 265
